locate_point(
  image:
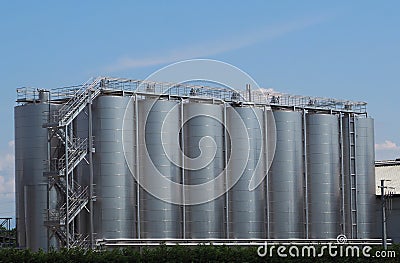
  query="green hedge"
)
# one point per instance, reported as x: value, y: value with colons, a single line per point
x: 173, y: 254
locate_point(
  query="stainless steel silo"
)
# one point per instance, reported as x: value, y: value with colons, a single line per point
x: 183, y: 139
x: 35, y: 205
x: 159, y: 149
x: 82, y: 171
x: 286, y: 177
x: 247, y: 208
x: 349, y: 167
x: 359, y: 174
x: 323, y: 162
x: 114, y: 209
x: 204, y: 220
x: 31, y: 151
x: 365, y: 160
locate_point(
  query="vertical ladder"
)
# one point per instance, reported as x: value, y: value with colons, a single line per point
x: 305, y: 176
x: 342, y: 177
x: 353, y: 174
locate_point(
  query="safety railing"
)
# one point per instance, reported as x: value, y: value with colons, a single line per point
x: 76, y: 95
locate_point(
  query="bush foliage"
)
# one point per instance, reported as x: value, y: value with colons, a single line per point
x: 173, y: 254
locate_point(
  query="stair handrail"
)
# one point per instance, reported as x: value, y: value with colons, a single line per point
x: 80, y: 97
x: 82, y: 88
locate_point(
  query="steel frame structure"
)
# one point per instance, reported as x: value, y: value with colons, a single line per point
x: 6, y: 237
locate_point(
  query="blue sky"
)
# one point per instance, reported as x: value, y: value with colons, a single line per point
x: 338, y: 49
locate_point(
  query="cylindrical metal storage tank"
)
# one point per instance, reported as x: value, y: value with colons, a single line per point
x: 365, y: 160
x: 169, y: 137
x: 82, y: 171
x: 35, y: 204
x: 286, y: 177
x: 359, y: 171
x: 204, y: 220
x: 349, y: 167
x: 31, y: 151
x: 159, y: 142
x: 114, y: 209
x: 323, y: 161
x: 247, y: 208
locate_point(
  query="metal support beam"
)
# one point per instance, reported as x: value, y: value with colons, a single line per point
x: 137, y: 167
x: 306, y: 210
x: 183, y: 172
x: 342, y: 175
x: 383, y: 201
x: 67, y: 186
x: 91, y: 180
x: 226, y: 173
x: 266, y: 160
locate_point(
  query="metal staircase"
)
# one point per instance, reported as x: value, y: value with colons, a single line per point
x: 78, y: 197
x: 61, y: 164
x: 76, y: 153
x: 69, y: 111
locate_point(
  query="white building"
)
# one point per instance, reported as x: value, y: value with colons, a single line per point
x: 390, y: 171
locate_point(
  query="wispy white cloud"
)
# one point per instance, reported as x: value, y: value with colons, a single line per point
x: 387, y: 145
x: 6, y: 161
x: 7, y: 175
x: 7, y: 158
x: 240, y: 40
x: 268, y: 91
x: 6, y: 187
x: 388, y: 150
